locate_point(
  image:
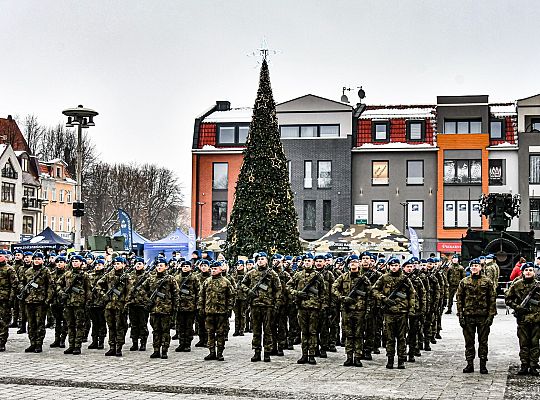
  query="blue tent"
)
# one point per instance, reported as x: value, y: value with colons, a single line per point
x: 137, y: 238
x: 175, y: 241
x: 46, y: 240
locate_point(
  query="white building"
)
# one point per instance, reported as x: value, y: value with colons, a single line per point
x: 11, y: 199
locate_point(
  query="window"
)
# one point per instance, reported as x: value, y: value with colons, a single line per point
x: 462, y: 172
x: 535, y: 125
x: 496, y: 129
x: 8, y: 171
x: 61, y: 224
x: 295, y: 131
x: 68, y: 195
x: 380, y: 131
x: 496, y: 172
x: 45, y: 222
x: 68, y: 225
x: 28, y: 225
x: 61, y: 196
x: 415, y: 172
x: 461, y: 214
x: 219, y: 215
x: 534, y: 210
x: 534, y: 169
x: 29, y: 192
x: 327, y: 215
x: 309, y: 215
x: 415, y: 130
x: 53, y: 223
x: 463, y: 126
x: 289, y: 170
x: 232, y: 134
x: 379, y: 174
x: 324, y: 174
x: 7, y: 222
x: 308, y: 184
x: 380, y: 212
x: 220, y: 173
x: 58, y: 172
x: 8, y: 192
x: 24, y: 163
x: 415, y: 214
x: 45, y: 194
x: 53, y: 194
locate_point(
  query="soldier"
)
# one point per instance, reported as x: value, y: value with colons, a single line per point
x: 491, y: 270
x: 189, y: 288
x: 293, y: 333
x: 8, y: 287
x: 354, y: 292
x: 37, y: 291
x: 263, y: 288
x: 204, y: 274
x: 397, y: 294
x: 26, y: 265
x: 216, y: 300
x: 307, y: 287
x: 443, y: 285
x: 240, y: 301
x: 430, y: 326
x: 74, y: 290
x: 454, y: 274
x: 137, y: 303
x: 96, y: 307
x: 476, y: 308
x: 162, y: 305
x: 57, y: 306
x: 323, y: 325
x: 116, y: 284
x: 372, y: 333
x: 524, y: 297
x: 279, y: 320
x: 249, y: 328
x: 17, y: 264
x: 415, y: 325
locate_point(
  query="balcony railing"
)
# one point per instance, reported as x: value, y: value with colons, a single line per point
x: 9, y: 173
x: 324, y: 183
x: 32, y: 203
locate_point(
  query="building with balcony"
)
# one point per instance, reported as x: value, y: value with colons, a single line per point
x: 11, y: 216
x: 58, y: 193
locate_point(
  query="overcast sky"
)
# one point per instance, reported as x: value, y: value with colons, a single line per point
x: 150, y: 67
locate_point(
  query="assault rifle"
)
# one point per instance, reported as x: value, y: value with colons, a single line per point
x: 72, y: 288
x: 156, y: 293
x: 528, y: 299
x: 397, y: 291
x: 116, y: 288
x: 309, y: 289
x: 260, y: 284
x: 183, y: 289
x: 355, y: 291
x: 23, y: 294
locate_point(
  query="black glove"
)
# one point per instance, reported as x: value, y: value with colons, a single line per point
x: 389, y: 302
x: 302, y: 295
x: 519, y: 310
x: 489, y: 320
x: 461, y: 321
x: 347, y: 300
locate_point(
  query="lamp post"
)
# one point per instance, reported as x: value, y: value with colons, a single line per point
x: 200, y: 204
x: 404, y: 205
x: 83, y: 118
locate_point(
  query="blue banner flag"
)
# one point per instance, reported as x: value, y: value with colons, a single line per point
x: 125, y: 228
x: 414, y: 245
x: 192, y: 241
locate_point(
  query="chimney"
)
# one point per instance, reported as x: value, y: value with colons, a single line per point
x: 223, y: 105
x: 9, y: 117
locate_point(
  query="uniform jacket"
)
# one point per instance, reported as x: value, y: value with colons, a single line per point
x: 455, y: 274
x: 386, y: 284
x: 189, y: 289
x: 343, y: 286
x: 216, y: 296
x: 166, y: 289
x: 44, y: 292
x: 299, y: 282
x: 268, y: 293
x: 96, y: 293
x: 476, y: 297
x: 9, y: 284
x: 517, y: 292
x: 138, y: 295
x: 75, y: 287
x: 122, y: 282
x: 421, y: 299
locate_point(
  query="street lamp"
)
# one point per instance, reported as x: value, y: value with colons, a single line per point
x: 404, y: 205
x: 83, y: 118
x: 200, y: 204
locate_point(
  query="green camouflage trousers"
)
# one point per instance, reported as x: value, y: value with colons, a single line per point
x: 472, y: 326
x: 184, y: 327
x: 451, y: 293
x: 529, y: 336
x: 216, y: 327
x: 308, y: 320
x: 353, y: 328
x: 138, y: 319
x: 161, y: 331
x: 239, y: 315
x: 35, y: 314
x: 395, y: 329
x: 261, y: 321
x: 99, y: 326
x: 60, y: 326
x: 117, y: 324
x: 5, y: 320
x: 75, y: 318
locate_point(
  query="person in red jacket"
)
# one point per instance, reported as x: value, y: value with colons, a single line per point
x: 516, y: 272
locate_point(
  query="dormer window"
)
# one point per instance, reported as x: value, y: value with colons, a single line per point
x: 232, y: 134
x: 58, y: 172
x: 381, y: 131
x: 8, y: 171
x: 24, y: 163
x: 416, y: 130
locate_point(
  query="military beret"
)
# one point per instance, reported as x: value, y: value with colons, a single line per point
x: 288, y: 258
x: 277, y: 256
x: 436, y: 259
x: 482, y: 257
x: 250, y: 261
x: 217, y: 264
x: 28, y: 253
x: 100, y: 261
x: 205, y: 262
x: 413, y: 260
x: 297, y: 258
x: 101, y: 257
x: 138, y: 259
x: 308, y: 256
x: 121, y: 259
x: 365, y: 254
x: 61, y: 259
x: 490, y: 257
x: 353, y: 257
x: 172, y: 260
x: 18, y: 252
x: 52, y: 254
x: 38, y: 254
x: 161, y: 260
x: 474, y: 261
x: 240, y: 262
x: 90, y: 255
x: 430, y: 260
x: 261, y: 254
x: 339, y: 260
x: 77, y: 257
x: 328, y: 256
x: 319, y: 257
x: 374, y: 257
x: 186, y: 263
x: 526, y: 265
x: 407, y: 262
x: 3, y: 252
x: 393, y: 260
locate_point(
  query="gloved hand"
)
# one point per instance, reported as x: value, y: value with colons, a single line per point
x: 489, y: 320
x: 252, y: 294
x: 461, y: 321
x: 389, y: 302
x: 347, y: 300
x: 519, y: 310
x: 302, y: 295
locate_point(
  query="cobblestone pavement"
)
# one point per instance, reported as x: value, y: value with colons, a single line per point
x: 435, y: 375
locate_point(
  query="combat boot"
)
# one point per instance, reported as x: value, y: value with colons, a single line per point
x: 421, y: 346
x: 135, y: 345
x: 30, y: 349
x: 349, y: 361
x: 449, y: 311
x: 62, y: 342
x: 332, y: 348
x: 118, y: 351
x: 56, y: 343
x: 219, y: 355
x: 266, y: 357
x: 411, y: 358
x: 175, y: 336
x: 297, y: 340
x: 142, y: 347
x: 438, y: 336
x: 273, y: 352
x: 76, y: 351
x: 357, y: 362
x: 155, y: 354
x: 469, y: 368
x: 280, y: 352
x: 290, y: 346
x: 38, y: 349
x: 2, y: 347
x: 236, y: 333
x: 164, y: 351
x: 94, y: 344
x: 101, y: 343
x: 534, y: 370
x: 311, y: 360
x: 14, y: 324
x: 483, y: 367
x: 179, y: 348
x: 401, y: 363
x: 433, y: 341
x: 427, y: 347
x: 257, y: 356
x: 322, y: 353
x: 376, y: 351
x: 211, y: 356
x: 524, y: 370
x: 367, y: 355
x: 111, y: 351
x: 200, y: 343
x: 303, y: 359
x: 417, y: 353
x: 390, y: 363
x: 69, y: 350
x: 21, y: 330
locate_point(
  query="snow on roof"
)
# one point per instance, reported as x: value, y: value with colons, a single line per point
x: 503, y: 109
x: 396, y: 146
x: 19, y: 152
x: 242, y: 114
x: 3, y: 147
x: 399, y: 111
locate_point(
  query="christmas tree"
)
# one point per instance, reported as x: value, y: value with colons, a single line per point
x: 263, y: 217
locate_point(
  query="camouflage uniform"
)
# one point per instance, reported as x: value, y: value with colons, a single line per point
x: 454, y: 275
x: 491, y: 270
x: 75, y: 290
x: 57, y: 309
x: 240, y: 305
x: 279, y: 320
x: 422, y: 320
x: 528, y: 319
x: 372, y: 326
x: 163, y: 302
x: 415, y: 318
x: 216, y: 300
x: 96, y: 310
x: 430, y: 323
x: 115, y: 308
x: 200, y: 317
x: 8, y: 288
x: 396, y: 311
x: 309, y: 305
x: 264, y: 293
x: 443, y: 285
x: 138, y: 313
x: 17, y: 264
x: 189, y: 289
x: 354, y: 306
x: 327, y: 313
x: 35, y: 303
x: 476, y: 307
x: 22, y: 305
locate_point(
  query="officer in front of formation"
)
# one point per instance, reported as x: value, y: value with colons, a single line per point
x: 476, y: 308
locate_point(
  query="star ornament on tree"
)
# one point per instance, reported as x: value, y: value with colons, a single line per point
x: 273, y: 207
x: 251, y: 178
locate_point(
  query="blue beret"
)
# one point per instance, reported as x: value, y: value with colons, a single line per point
x: 100, y: 257
x: 28, y: 253
x: 38, y: 254
x: 89, y: 255
x: 52, y: 254
x: 328, y: 256
x: 186, y: 263
x: 340, y: 259
x: 436, y: 259
x: 365, y: 254
x: 3, y: 252
x: 307, y: 256
x: 288, y: 258
x: 353, y: 257
x: 138, y: 259
x: 393, y: 260
x: 250, y: 261
x: 297, y: 258
x: 217, y: 264
x: 119, y: 259
x: 319, y: 257
x: 413, y: 259
x: 430, y: 260
x: 77, y: 257
x: 423, y: 261
x: 205, y: 262
x: 482, y: 258
x: 374, y: 257
x: 161, y: 260
x: 61, y: 259
x: 100, y: 261
x: 490, y: 257
x: 261, y: 254
x: 18, y: 252
x: 527, y: 265
x: 474, y: 261
x: 240, y: 262
x: 277, y: 256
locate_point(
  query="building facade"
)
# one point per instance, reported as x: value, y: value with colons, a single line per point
x: 11, y: 216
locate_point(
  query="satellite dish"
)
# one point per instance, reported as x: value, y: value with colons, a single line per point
x: 361, y: 93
